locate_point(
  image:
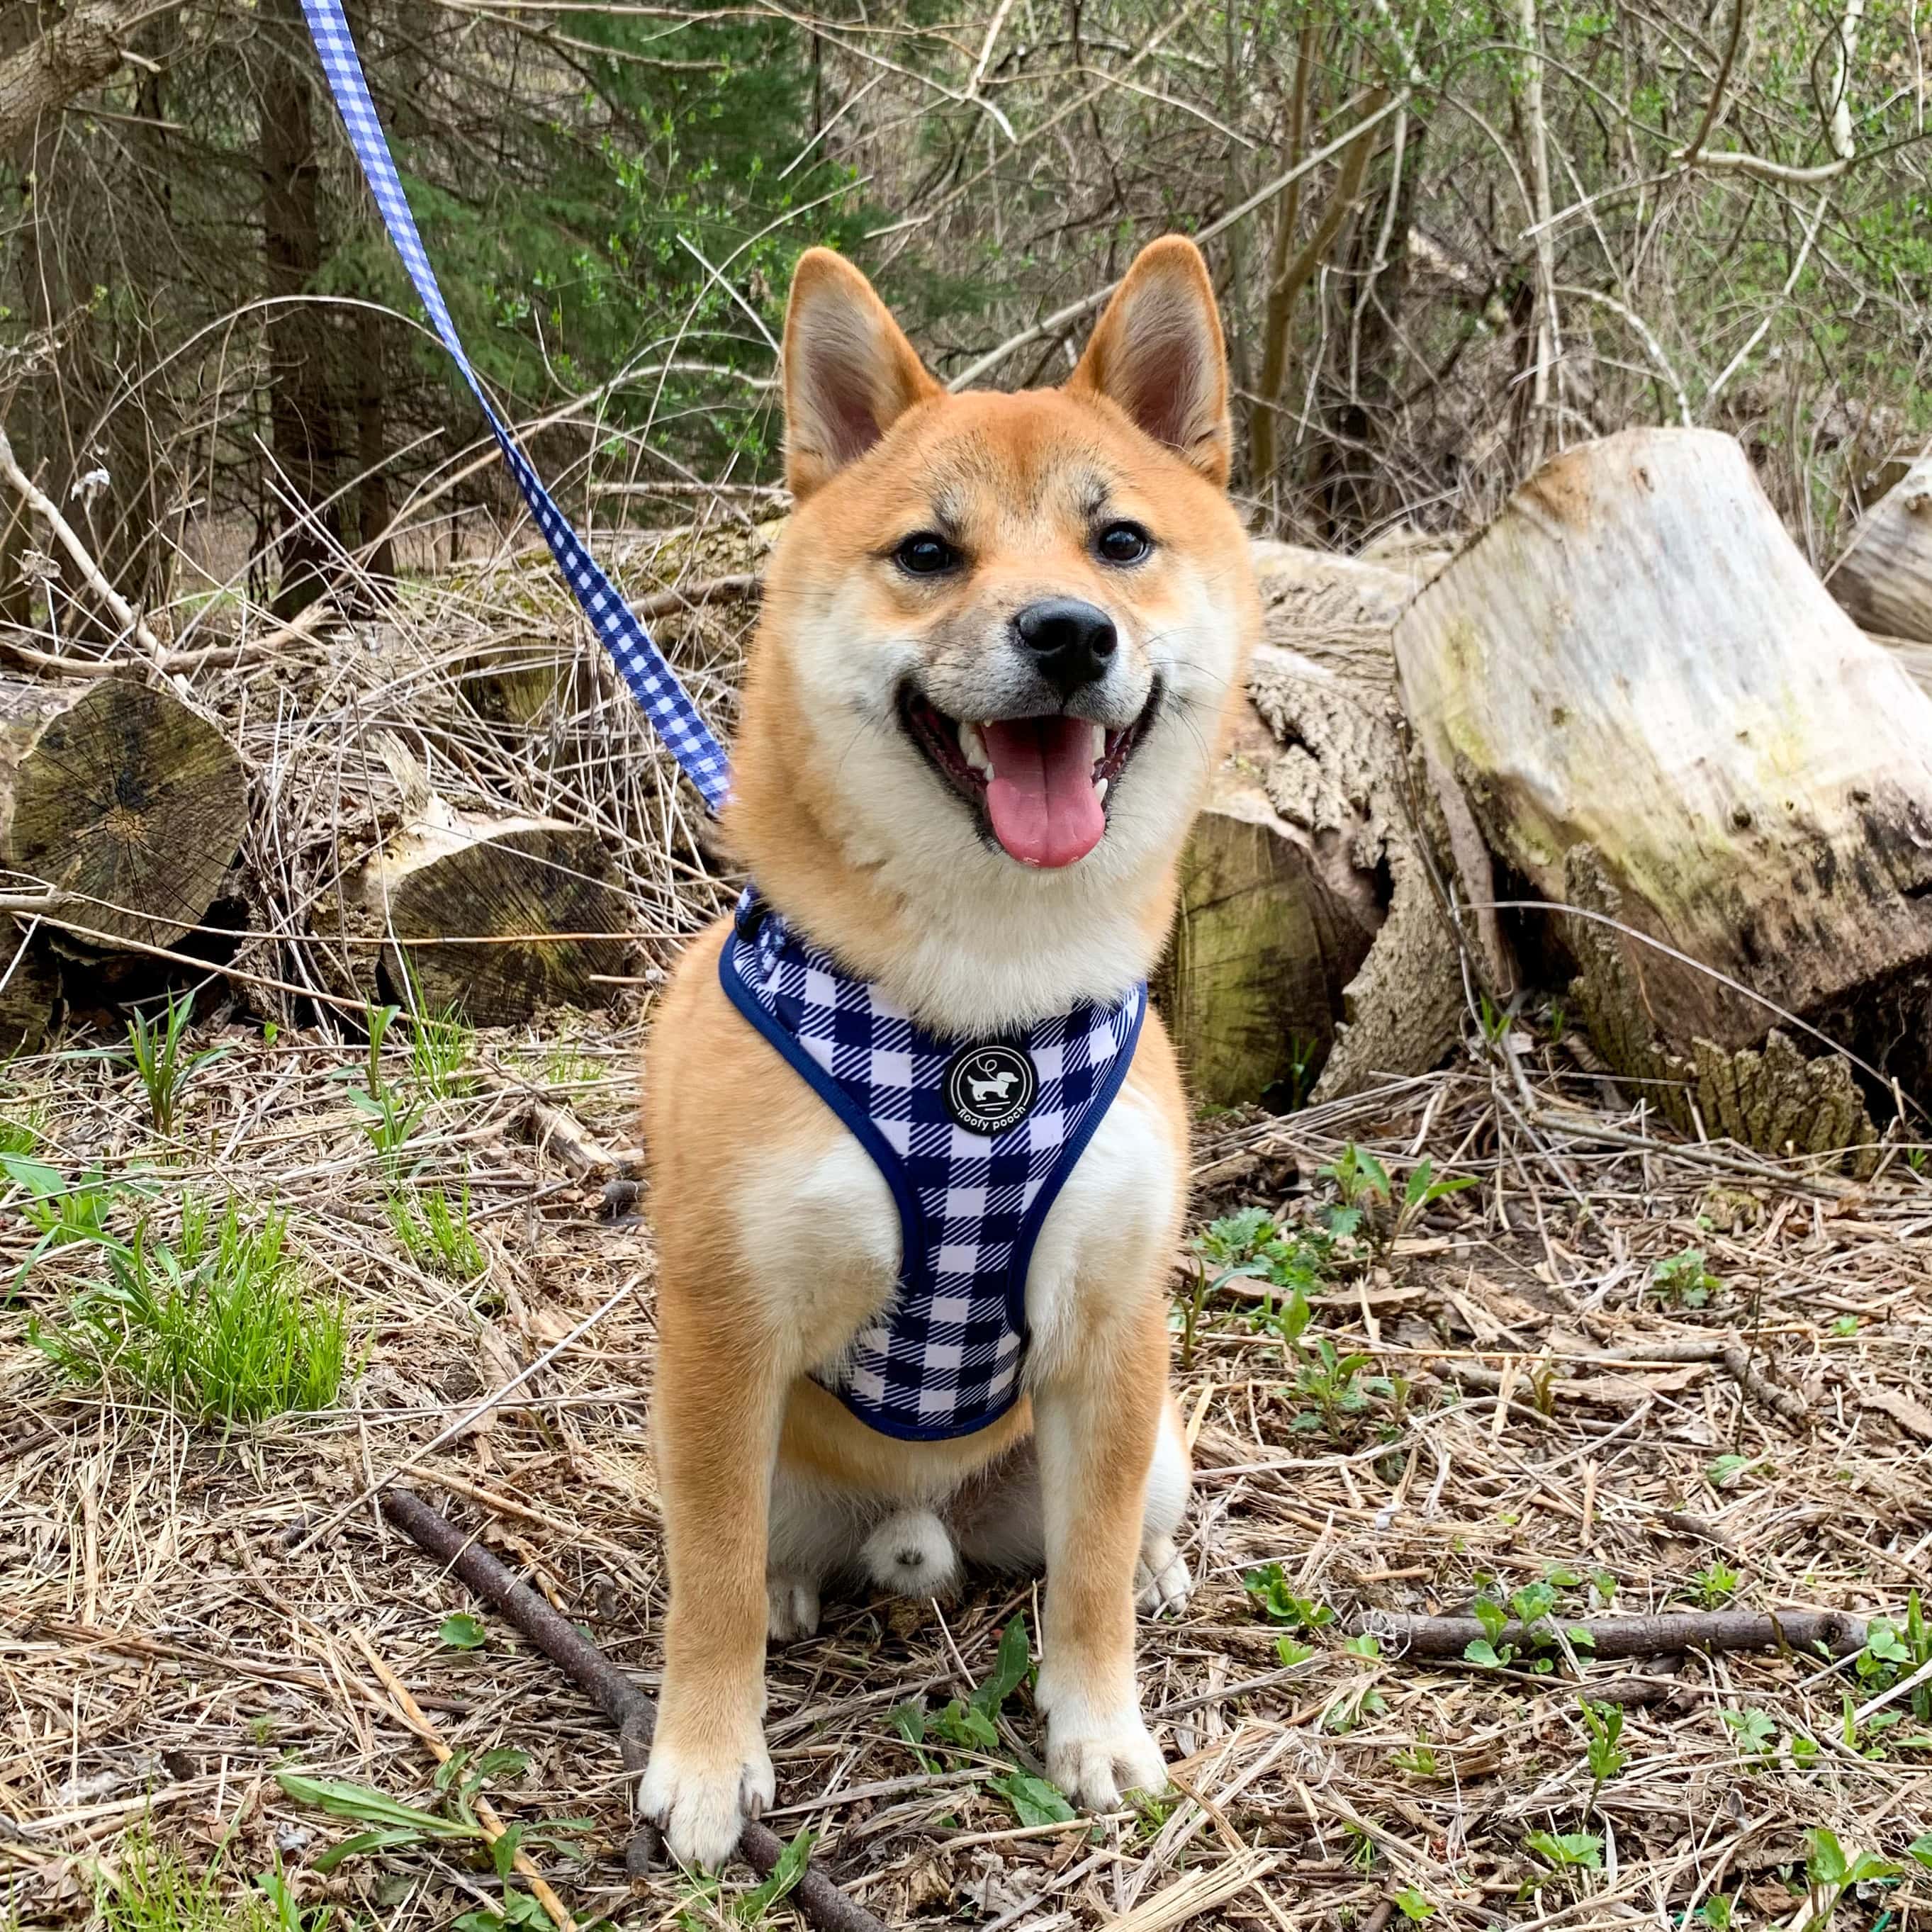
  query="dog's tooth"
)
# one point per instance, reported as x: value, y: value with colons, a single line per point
x: 1100, y: 789
x: 973, y: 748
x: 1099, y: 743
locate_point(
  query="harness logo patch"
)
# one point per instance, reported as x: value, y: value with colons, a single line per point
x: 989, y: 1089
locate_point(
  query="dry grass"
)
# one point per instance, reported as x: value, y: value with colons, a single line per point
x: 186, y: 1610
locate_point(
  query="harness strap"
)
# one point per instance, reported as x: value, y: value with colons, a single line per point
x: 653, y: 683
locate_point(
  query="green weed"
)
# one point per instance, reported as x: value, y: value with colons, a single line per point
x: 436, y: 1234
x: 1563, y: 1853
x: 441, y: 1046
x: 388, y: 1120
x: 59, y: 1212
x: 1418, y: 1760
x: 156, y: 1051
x: 1893, y: 1650
x: 215, y: 1321
x: 1683, y: 1279
x: 1715, y: 1585
x: 1830, y: 1872
x: 1413, y: 1905
x: 1268, y: 1586
x: 1604, y: 1724
x: 20, y: 1132
x: 1755, y: 1731
x: 153, y: 1889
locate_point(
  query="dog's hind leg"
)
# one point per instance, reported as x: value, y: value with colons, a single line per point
x: 1161, y: 1580
x: 999, y: 1524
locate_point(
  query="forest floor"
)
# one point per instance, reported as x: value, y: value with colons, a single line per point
x: 1519, y: 1389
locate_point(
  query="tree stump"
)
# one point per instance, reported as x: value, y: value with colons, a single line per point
x: 118, y: 796
x: 1308, y: 942
x: 1634, y: 700
x: 1884, y: 578
x: 497, y: 917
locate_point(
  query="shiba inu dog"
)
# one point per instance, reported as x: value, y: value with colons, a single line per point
x: 1001, y: 638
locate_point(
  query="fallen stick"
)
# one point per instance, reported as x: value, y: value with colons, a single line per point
x: 821, y: 1901
x: 1671, y: 1630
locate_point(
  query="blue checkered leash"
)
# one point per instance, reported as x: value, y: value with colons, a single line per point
x: 653, y: 683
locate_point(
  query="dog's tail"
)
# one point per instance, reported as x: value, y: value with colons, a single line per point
x: 913, y: 1554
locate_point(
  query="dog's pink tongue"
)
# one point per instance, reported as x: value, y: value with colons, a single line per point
x: 1041, y: 796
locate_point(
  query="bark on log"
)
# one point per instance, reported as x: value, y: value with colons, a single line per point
x: 118, y: 796
x: 1634, y: 699
x: 76, y: 52
x: 1884, y: 578
x: 498, y: 916
x: 1308, y: 936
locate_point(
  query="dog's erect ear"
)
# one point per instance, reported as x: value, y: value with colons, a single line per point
x: 850, y: 374
x: 1158, y: 354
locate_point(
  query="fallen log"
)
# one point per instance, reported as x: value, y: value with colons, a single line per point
x: 1634, y: 701
x: 1307, y: 941
x: 1883, y: 578
x: 817, y: 1898
x: 493, y: 916
x: 120, y: 798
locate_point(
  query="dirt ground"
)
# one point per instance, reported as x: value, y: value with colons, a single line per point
x: 187, y: 1611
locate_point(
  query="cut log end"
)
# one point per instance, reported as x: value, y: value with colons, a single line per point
x: 122, y: 798
x: 496, y: 920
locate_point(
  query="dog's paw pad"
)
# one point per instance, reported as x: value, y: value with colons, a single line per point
x: 791, y: 1608
x: 700, y: 1804
x: 1162, y: 1583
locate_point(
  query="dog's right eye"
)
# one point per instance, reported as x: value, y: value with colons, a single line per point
x: 924, y: 554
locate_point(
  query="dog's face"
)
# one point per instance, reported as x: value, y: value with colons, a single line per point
x: 1003, y: 630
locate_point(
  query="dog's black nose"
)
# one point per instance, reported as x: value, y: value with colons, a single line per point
x: 1071, y: 642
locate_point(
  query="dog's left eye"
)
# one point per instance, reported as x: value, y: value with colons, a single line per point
x: 926, y: 554
x: 1123, y: 543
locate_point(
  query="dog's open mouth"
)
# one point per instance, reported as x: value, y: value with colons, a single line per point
x: 1039, y: 783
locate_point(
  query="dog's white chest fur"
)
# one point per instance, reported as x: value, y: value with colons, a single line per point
x: 829, y: 1225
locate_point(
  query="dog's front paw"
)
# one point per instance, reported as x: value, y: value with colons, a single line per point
x: 1162, y: 1583
x: 1094, y: 1759
x: 700, y: 1800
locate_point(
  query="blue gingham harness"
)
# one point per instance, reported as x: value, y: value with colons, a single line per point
x: 944, y: 1358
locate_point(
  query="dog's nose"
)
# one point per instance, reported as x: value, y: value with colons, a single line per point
x: 1071, y: 642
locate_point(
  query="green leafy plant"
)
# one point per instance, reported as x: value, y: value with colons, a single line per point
x: 1715, y: 1585
x: 1248, y: 1245
x: 1755, y: 1731
x: 436, y: 1234
x: 1683, y: 1279
x: 1603, y: 1725
x: 1412, y: 1905
x: 388, y: 1824
x: 1894, y: 1650
x: 1716, y: 1912
x: 60, y: 1212
x: 216, y: 1320
x: 749, y: 1908
x: 388, y: 1121
x: 1830, y: 1872
x: 156, y: 1052
x: 1421, y: 1191
x: 1034, y: 1800
x: 1564, y: 1853
x: 1489, y: 1649
x: 1268, y: 1586
x: 1418, y: 1760
x: 1292, y: 1651
x: 462, y: 1631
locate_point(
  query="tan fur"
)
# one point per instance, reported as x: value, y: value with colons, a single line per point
x: 775, y: 1247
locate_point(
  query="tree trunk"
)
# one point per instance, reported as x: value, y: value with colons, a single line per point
x: 301, y: 401
x: 498, y: 917
x: 1884, y: 578
x: 119, y: 797
x: 1635, y: 701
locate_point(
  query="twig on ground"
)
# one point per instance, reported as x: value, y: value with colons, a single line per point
x: 821, y: 1901
x: 1672, y: 1631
